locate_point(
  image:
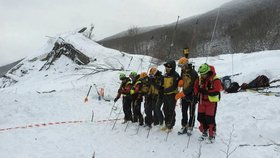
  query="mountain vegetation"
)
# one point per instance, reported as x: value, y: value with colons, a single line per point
x: 238, y: 26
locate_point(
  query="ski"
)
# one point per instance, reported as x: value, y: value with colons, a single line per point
x: 266, y: 93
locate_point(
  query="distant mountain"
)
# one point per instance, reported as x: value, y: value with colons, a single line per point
x: 124, y: 33
x: 241, y: 26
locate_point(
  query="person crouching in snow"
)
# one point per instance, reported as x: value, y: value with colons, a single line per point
x: 208, y: 87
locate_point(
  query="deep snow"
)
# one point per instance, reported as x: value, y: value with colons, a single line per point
x: 252, y: 118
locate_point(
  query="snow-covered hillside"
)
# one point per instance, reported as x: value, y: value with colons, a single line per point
x: 58, y: 124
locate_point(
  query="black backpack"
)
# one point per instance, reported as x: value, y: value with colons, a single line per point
x: 233, y: 88
x: 260, y: 81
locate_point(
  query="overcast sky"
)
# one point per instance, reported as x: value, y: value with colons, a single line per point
x: 25, y: 23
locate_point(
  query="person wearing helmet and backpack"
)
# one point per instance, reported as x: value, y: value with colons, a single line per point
x: 124, y: 90
x: 144, y: 91
x: 170, y: 88
x: 187, y: 79
x: 156, y: 94
x: 137, y: 98
x: 208, y: 87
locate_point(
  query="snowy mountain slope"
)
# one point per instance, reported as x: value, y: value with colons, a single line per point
x: 251, y: 117
x: 64, y: 72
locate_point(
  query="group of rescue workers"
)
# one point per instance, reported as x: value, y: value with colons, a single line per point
x: 157, y: 89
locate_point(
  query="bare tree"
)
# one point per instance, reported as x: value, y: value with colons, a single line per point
x: 199, y: 152
x: 228, y: 144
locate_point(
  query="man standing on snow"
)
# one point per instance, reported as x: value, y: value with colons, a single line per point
x: 208, y: 87
x: 170, y: 88
x: 156, y: 94
x: 124, y: 90
x: 137, y: 98
x: 187, y: 79
x: 144, y: 90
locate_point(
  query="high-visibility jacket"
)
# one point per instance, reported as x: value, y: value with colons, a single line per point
x: 212, y: 85
x: 124, y: 87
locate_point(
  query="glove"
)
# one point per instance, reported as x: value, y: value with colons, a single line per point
x: 132, y: 92
x: 116, y: 99
x: 180, y: 83
x: 179, y: 95
x: 203, y: 91
x: 86, y: 99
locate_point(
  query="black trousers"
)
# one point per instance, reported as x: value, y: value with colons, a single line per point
x: 127, y: 108
x: 137, y: 115
x: 158, y: 112
x: 188, y: 113
x: 150, y: 106
x: 169, y: 104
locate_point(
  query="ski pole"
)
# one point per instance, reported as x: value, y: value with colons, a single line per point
x: 173, y: 115
x: 99, y: 97
x: 86, y: 98
x: 117, y: 119
x: 192, y: 123
x: 149, y: 132
x: 92, y: 115
x: 129, y: 63
x: 126, y: 126
x: 111, y: 110
x: 139, y: 126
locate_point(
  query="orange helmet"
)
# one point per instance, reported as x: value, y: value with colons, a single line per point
x: 153, y: 71
x: 182, y: 61
x: 143, y: 75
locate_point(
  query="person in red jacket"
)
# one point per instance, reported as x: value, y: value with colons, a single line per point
x: 124, y: 90
x: 207, y: 87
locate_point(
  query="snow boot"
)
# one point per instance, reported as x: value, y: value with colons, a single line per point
x: 203, y: 136
x: 189, y: 131
x: 210, y: 140
x: 163, y: 128
x: 183, y: 130
x: 147, y: 126
x: 168, y: 130
x: 125, y: 121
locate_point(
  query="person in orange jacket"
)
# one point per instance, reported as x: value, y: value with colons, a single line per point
x: 187, y: 79
x: 208, y: 87
x: 124, y: 90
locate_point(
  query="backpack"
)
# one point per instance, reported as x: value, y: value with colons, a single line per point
x: 260, y: 81
x: 233, y: 88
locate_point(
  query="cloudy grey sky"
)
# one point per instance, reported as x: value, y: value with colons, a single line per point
x: 25, y: 23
